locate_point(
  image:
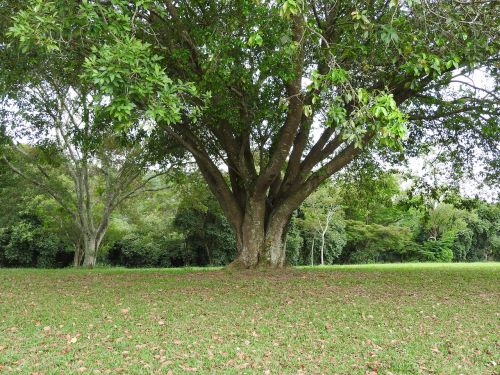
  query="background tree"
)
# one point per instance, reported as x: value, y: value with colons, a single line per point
x: 86, y: 156
x: 369, y: 193
x: 322, y: 215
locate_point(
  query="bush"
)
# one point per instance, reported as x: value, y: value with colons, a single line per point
x: 27, y: 244
x: 364, y: 256
x: 294, y: 245
x: 437, y: 250
x: 136, y: 251
x: 208, y: 237
x: 370, y: 243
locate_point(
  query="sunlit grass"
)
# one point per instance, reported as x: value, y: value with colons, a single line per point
x: 403, y: 266
x: 398, y: 318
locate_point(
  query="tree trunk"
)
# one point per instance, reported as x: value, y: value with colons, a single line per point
x: 323, y: 234
x: 259, y: 244
x: 251, y: 235
x: 322, y: 248
x: 91, y: 243
x: 275, y: 241
x: 79, y: 253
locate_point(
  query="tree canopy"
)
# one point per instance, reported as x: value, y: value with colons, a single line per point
x: 273, y: 98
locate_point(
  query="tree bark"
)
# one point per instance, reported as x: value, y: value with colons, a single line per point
x: 322, y: 248
x: 275, y: 241
x: 91, y: 243
x: 324, y: 229
x: 250, y: 236
x: 79, y: 253
x: 260, y: 239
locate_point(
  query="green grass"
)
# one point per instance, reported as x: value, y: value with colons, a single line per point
x: 399, y: 319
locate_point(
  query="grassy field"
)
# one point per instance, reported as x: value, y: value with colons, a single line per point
x: 387, y: 319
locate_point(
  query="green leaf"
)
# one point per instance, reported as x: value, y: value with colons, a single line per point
x: 307, y: 111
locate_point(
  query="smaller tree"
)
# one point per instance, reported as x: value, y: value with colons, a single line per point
x: 369, y: 193
x: 88, y: 188
x: 323, y: 216
x: 75, y: 132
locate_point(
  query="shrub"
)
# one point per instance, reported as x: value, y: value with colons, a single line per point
x: 136, y: 251
x: 27, y: 244
x: 437, y: 250
x: 370, y: 243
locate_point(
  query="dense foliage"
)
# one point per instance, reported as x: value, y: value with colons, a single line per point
x: 27, y: 242
x: 372, y: 220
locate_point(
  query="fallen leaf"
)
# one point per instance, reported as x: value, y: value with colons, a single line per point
x: 189, y: 369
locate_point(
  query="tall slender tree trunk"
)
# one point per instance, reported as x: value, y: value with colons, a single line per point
x: 79, y: 253
x: 322, y: 248
x: 91, y: 243
x: 324, y: 229
x: 312, y: 253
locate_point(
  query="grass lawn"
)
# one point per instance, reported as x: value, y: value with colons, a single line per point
x: 399, y: 319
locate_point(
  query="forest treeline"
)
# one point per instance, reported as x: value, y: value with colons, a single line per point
x: 365, y: 216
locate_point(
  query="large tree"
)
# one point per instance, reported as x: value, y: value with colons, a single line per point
x: 288, y: 92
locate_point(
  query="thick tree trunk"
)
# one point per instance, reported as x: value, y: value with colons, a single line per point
x: 259, y: 239
x: 250, y: 236
x: 275, y: 241
x: 250, y: 248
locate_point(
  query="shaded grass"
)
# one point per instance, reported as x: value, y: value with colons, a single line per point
x: 399, y: 319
